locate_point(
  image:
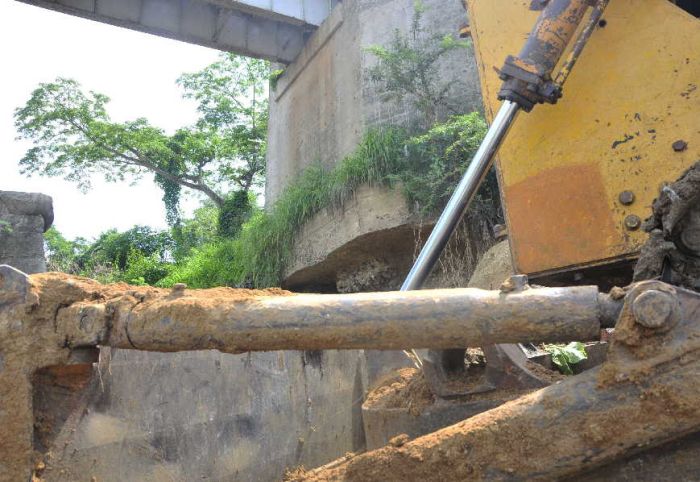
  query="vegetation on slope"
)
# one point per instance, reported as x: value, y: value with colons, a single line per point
x: 230, y: 241
x: 426, y: 167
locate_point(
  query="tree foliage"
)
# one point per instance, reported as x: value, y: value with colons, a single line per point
x: 437, y: 160
x: 74, y: 137
x: 235, y: 211
x: 200, y: 229
x: 61, y: 253
x: 113, y: 247
x: 407, y: 67
x: 139, y: 255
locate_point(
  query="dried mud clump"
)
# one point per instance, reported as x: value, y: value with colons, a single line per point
x: 408, y: 390
x: 294, y: 474
x: 676, y: 212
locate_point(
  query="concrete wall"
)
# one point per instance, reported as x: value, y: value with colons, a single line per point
x: 23, y: 219
x: 324, y: 101
x: 211, y: 416
x: 184, y: 416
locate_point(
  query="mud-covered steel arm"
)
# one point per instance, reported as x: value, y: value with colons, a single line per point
x: 161, y: 320
x: 645, y: 394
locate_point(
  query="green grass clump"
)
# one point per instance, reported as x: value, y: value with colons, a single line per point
x: 426, y: 166
x: 258, y: 256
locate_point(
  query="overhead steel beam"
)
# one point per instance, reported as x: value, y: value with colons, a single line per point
x: 270, y: 29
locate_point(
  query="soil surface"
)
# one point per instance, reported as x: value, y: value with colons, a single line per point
x: 544, y: 373
x: 47, y: 282
x: 296, y: 473
x: 493, y: 268
x: 408, y: 389
x: 43, y: 316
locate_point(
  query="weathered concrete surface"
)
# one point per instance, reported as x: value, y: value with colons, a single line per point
x: 320, y: 108
x: 149, y: 416
x: 359, y: 247
x: 270, y: 29
x: 370, y: 243
x: 24, y: 217
x: 324, y: 101
x: 212, y: 416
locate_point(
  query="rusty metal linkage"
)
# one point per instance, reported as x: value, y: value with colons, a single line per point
x: 151, y: 320
x: 527, y: 77
x: 652, y: 367
x: 645, y: 394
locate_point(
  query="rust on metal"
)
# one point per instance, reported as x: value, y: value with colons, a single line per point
x: 582, y: 126
x: 157, y: 320
x: 46, y: 318
x: 536, y: 220
x: 528, y: 76
x: 645, y: 394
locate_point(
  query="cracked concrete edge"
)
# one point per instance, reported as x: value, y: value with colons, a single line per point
x: 28, y: 204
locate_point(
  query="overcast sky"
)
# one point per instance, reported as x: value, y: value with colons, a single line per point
x: 137, y: 71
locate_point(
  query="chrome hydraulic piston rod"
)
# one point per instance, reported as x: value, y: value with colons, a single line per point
x: 527, y: 81
x: 462, y: 197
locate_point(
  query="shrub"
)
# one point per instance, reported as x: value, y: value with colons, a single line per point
x: 426, y: 166
x: 144, y: 269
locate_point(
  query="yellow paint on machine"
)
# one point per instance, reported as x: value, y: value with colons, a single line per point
x: 634, y: 92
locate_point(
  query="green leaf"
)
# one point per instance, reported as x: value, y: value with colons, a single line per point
x: 5, y: 226
x: 563, y: 356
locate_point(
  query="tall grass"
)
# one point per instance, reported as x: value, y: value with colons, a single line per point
x: 427, y: 167
x: 262, y: 250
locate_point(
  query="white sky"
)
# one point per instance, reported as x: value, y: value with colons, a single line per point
x: 137, y: 71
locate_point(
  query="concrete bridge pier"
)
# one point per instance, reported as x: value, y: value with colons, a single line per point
x: 24, y: 217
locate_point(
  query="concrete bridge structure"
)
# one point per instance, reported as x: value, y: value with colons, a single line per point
x: 270, y: 29
x: 221, y: 417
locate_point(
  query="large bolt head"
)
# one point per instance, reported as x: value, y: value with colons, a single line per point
x: 680, y: 145
x: 626, y: 197
x: 633, y: 222
x: 656, y: 309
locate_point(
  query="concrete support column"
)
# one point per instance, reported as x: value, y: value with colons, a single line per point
x: 24, y: 217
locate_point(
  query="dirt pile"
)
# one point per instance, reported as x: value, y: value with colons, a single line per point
x: 407, y: 389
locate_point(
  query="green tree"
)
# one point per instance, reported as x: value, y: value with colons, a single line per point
x: 436, y: 161
x: 407, y: 68
x: 61, y: 253
x: 200, y: 229
x: 139, y: 255
x: 144, y: 270
x: 114, y: 248
x: 74, y: 137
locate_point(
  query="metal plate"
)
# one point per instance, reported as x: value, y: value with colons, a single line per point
x: 634, y: 92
